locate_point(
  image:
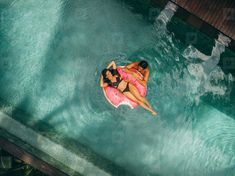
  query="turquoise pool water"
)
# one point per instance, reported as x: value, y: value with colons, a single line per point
x: 52, y: 54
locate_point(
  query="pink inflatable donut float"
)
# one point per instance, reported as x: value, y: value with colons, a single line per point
x: 116, y: 98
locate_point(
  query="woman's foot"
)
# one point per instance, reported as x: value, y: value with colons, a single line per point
x: 154, y: 113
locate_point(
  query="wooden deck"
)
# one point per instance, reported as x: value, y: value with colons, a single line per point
x: 218, y: 13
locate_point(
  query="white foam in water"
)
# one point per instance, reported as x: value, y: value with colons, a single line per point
x: 224, y: 39
x: 220, y: 44
x: 192, y: 52
x: 166, y: 15
x: 207, y: 71
x: 209, y: 83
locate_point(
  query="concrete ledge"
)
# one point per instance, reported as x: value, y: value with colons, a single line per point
x: 29, y: 159
x: 69, y: 159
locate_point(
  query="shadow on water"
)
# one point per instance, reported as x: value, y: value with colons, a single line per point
x: 49, y: 74
x: 56, y: 65
x: 27, y: 118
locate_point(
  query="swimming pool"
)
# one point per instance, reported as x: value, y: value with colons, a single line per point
x: 52, y: 54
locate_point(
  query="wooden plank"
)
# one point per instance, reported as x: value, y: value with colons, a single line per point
x: 181, y: 2
x: 215, y: 18
x: 212, y: 12
x: 220, y: 19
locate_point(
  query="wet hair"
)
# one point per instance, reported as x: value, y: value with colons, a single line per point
x: 104, y: 72
x: 106, y: 80
x: 143, y: 64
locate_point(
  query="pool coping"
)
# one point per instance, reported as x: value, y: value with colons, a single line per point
x: 28, y: 158
x: 52, y: 155
x: 59, y: 155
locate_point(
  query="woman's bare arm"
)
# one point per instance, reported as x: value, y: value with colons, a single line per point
x: 146, y: 75
x: 127, y: 70
x: 132, y: 65
x: 112, y: 64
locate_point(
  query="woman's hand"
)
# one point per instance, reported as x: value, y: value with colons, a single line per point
x: 112, y: 64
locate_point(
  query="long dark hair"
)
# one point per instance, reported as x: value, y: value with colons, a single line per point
x: 112, y: 71
x: 106, y: 80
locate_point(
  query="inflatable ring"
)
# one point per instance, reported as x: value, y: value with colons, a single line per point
x: 115, y: 98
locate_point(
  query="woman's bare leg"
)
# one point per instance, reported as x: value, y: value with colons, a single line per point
x: 134, y: 91
x: 133, y: 98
